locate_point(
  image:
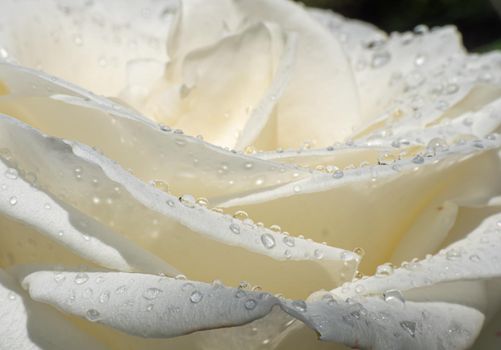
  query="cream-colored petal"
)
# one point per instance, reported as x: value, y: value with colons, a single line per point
x: 371, y: 323
x: 329, y: 103
x: 473, y: 258
x: 148, y: 305
x: 150, y: 151
x: 87, y: 43
x: 27, y: 325
x: 219, y: 86
x: 21, y: 201
x: 394, y: 198
x: 184, y: 233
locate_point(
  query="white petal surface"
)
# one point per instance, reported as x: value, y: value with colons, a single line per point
x: 88, y: 43
x: 148, y: 305
x: 180, y: 231
x: 66, y: 226
x: 27, y: 325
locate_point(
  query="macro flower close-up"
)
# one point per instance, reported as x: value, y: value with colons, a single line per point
x: 244, y: 174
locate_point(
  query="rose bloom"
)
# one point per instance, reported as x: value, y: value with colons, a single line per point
x: 244, y: 174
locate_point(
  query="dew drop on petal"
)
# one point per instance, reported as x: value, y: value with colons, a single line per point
x: 187, y: 200
x: 235, y: 228
x: 453, y: 254
x: 409, y: 327
x: 337, y: 174
x: 384, y: 270
x: 268, y: 240
x: 474, y: 258
x: 299, y: 305
x: 196, y: 297
x: 289, y: 241
x: 317, y: 253
x: 92, y: 315
x: 81, y: 278
x: 418, y: 159
x: 13, y: 200
x: 151, y: 293
x: 380, y: 58
x: 394, y: 295
x: 11, y: 174
x: 104, y: 297
x: 250, y: 304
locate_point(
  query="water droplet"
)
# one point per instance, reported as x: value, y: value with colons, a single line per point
x: 318, y: 254
x: 299, y: 305
x: 268, y: 240
x: 203, y: 202
x: 180, y: 277
x: 81, y: 278
x: 11, y: 296
x: 248, y: 165
x: 384, y: 270
x: 170, y: 203
x: 393, y: 295
x: 196, y: 297
x: 149, y: 307
x: 380, y: 58
x: 289, y: 241
x: 11, y: 174
x: 250, y: 304
x: 275, y: 228
x: 187, y: 200
x: 451, y: 88
x: 104, y: 297
x: 359, y: 251
x: 259, y: 181
x: 474, y: 258
x: 453, y: 254
x: 59, y: 277
x: 418, y: 159
x: 235, y: 229
x: 437, y: 145
x: 13, y: 200
x: 409, y: 327
x: 151, y: 293
x: 240, y: 215
x: 92, y: 315
x: 287, y: 254
x: 297, y: 188
x: 121, y: 290
x: 337, y: 174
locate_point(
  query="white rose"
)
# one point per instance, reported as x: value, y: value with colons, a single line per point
x: 398, y: 162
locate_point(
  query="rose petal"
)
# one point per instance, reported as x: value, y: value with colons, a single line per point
x: 65, y: 225
x: 372, y: 323
x: 180, y: 231
x: 102, y: 37
x: 149, y: 150
x: 148, y: 305
x: 393, y: 197
x: 29, y: 325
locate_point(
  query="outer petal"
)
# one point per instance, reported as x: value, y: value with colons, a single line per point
x: 26, y: 325
x: 180, y: 231
x: 149, y: 150
x: 148, y: 305
x: 97, y: 40
x: 393, y: 197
